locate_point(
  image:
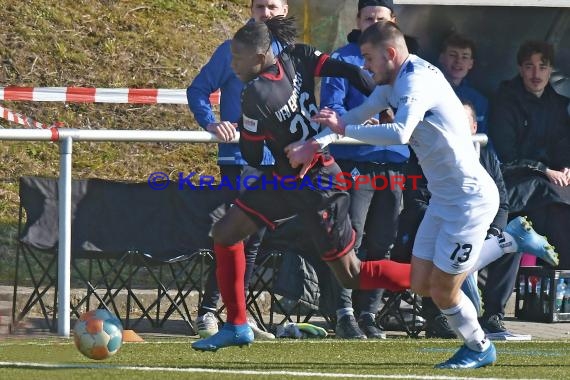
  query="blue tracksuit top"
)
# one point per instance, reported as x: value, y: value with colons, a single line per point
x: 338, y: 94
x: 218, y: 74
x: 465, y: 92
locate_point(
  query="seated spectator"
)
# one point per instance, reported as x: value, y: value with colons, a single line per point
x: 456, y: 59
x: 529, y: 125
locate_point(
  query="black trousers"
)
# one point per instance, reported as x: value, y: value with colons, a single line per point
x: 374, y: 216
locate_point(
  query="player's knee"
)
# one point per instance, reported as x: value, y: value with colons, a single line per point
x: 349, y: 281
x: 217, y: 234
x: 222, y: 235
x: 234, y: 226
x: 347, y: 273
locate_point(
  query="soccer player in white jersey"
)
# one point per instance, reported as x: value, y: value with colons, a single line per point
x: 430, y: 117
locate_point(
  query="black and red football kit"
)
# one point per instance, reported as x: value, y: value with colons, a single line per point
x: 277, y: 107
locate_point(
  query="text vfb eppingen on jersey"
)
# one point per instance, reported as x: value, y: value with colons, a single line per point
x: 342, y: 181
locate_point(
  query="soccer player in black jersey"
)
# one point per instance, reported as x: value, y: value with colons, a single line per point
x: 278, y: 102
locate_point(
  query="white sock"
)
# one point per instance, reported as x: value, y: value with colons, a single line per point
x: 462, y: 318
x: 494, y: 248
x: 508, y: 243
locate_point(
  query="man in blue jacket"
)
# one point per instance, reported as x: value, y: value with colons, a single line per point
x: 217, y: 74
x: 371, y: 210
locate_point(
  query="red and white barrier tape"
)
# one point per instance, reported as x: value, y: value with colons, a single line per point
x: 99, y: 95
x: 25, y: 120
x: 89, y: 95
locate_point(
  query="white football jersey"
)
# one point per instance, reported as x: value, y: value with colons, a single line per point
x: 429, y: 117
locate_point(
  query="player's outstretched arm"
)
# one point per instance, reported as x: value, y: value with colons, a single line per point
x: 331, y: 119
x: 357, y: 77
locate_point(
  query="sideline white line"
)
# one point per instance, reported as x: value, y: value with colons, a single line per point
x: 49, y: 342
x: 31, y: 365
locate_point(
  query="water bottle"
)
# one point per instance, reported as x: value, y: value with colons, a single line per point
x: 534, y: 308
x: 532, y: 282
x: 567, y: 299
x: 522, y: 285
x: 560, y: 293
x: 546, y: 302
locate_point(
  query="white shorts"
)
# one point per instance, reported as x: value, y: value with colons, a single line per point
x: 452, y: 236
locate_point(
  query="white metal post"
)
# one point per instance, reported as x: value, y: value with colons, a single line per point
x: 64, y: 249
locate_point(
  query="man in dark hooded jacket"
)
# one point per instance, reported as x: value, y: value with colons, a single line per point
x: 529, y: 125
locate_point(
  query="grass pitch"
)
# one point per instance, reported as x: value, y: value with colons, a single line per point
x: 172, y: 358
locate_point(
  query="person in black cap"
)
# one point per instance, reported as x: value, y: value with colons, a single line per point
x: 436, y: 323
x: 374, y: 213
x: 376, y: 3
x: 411, y: 42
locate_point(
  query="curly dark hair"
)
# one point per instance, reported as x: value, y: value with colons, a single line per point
x: 261, y: 34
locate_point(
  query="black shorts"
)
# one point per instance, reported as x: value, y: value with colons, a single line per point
x: 316, y: 199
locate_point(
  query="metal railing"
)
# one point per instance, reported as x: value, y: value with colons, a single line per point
x: 65, y: 137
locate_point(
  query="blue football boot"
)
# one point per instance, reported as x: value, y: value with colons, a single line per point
x: 529, y: 241
x: 466, y: 358
x: 229, y: 335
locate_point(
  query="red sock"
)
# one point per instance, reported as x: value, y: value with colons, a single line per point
x: 384, y: 274
x: 230, y: 270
